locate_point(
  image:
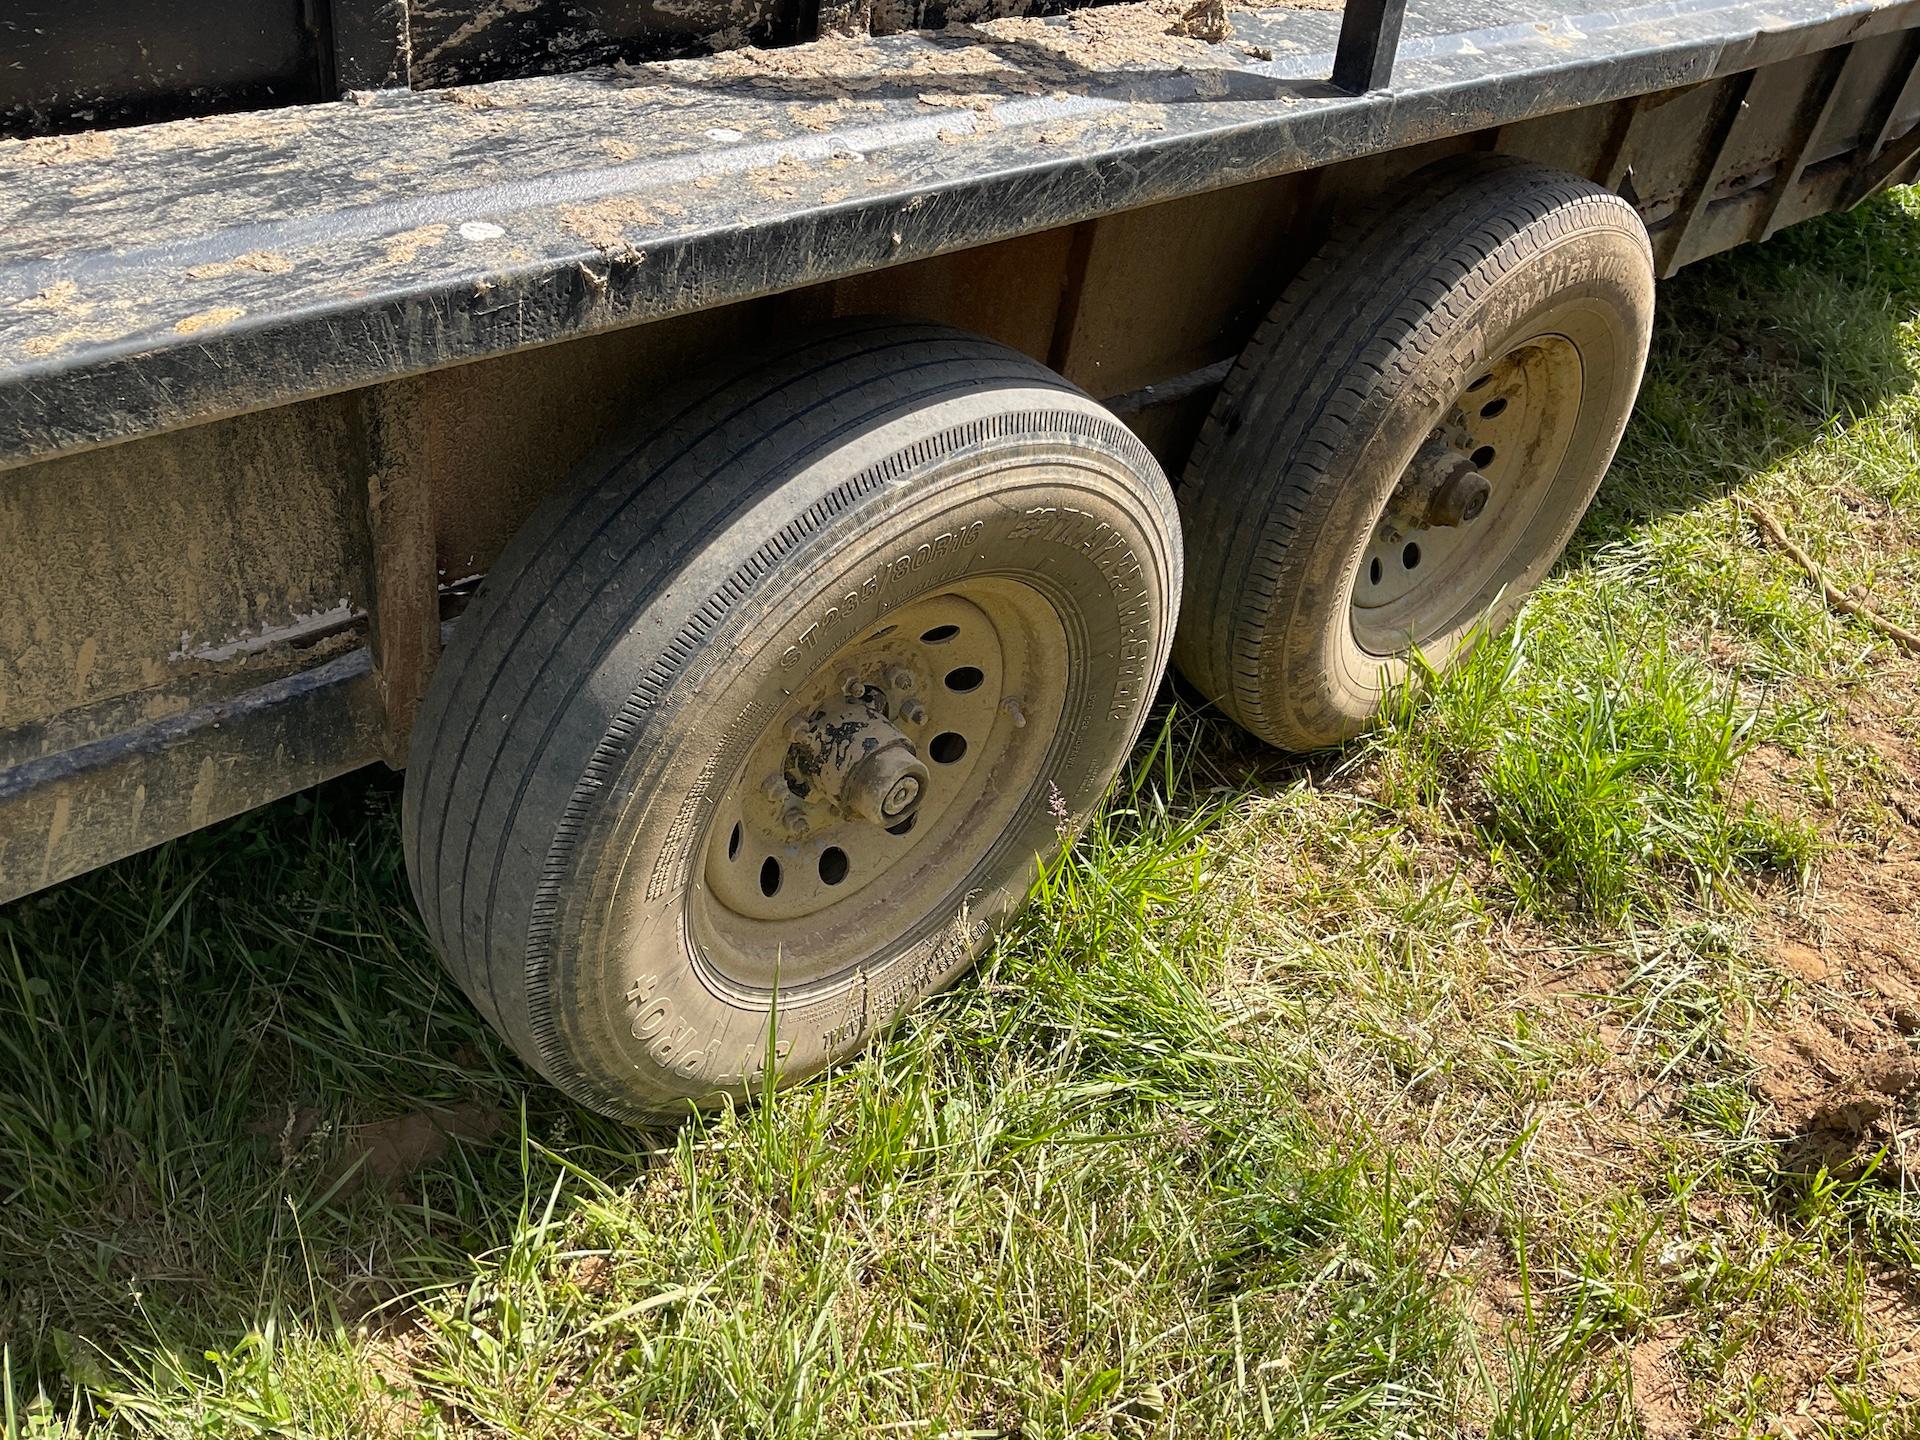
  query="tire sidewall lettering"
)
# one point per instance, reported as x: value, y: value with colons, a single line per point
x: 848, y: 614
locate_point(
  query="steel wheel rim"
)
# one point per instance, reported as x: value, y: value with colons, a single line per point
x: 1511, y: 425
x: 794, y: 878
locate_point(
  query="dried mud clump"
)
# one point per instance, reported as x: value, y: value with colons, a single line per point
x: 1205, y: 20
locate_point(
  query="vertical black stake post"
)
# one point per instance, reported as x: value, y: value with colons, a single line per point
x: 372, y: 44
x: 1369, y: 36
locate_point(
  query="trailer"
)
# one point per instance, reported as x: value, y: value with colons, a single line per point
x: 721, y: 450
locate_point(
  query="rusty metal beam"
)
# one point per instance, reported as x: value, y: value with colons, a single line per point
x: 1816, y: 108
x: 1898, y: 96
x: 1728, y: 116
x: 1072, y: 292
x: 404, y: 604
x: 1614, y: 168
x: 67, y: 813
x: 1885, y: 168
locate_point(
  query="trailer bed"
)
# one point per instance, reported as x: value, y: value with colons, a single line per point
x: 155, y: 277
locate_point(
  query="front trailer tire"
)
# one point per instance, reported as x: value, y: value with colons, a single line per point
x: 1472, y: 342
x: 755, y: 732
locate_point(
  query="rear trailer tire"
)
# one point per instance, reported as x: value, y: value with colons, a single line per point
x: 1406, y: 445
x: 754, y: 733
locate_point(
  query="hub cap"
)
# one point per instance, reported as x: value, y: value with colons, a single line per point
x: 1469, y: 494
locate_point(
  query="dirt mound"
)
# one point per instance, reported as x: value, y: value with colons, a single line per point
x: 382, y: 1152
x: 1839, y: 1061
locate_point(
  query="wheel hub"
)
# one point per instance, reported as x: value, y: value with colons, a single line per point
x: 1465, y: 497
x: 857, y: 761
x: 1441, y: 489
x: 862, y: 764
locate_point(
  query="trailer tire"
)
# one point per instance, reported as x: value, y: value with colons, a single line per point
x: 1477, y: 337
x: 754, y: 733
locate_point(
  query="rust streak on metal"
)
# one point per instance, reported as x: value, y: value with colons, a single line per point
x: 1670, y: 247
x: 405, y: 606
x: 1814, y: 114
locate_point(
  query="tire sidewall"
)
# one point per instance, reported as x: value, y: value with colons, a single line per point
x: 1594, y: 284
x: 624, y: 1008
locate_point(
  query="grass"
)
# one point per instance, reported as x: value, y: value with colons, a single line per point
x: 1537, y: 1067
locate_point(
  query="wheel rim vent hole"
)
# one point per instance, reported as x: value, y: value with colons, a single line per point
x: 967, y: 677
x: 1493, y: 408
x: 770, y: 877
x: 733, y: 841
x: 939, y: 635
x: 1409, y: 555
x: 833, y: 865
x: 1374, y: 572
x: 1481, y: 383
x: 1483, y: 457
x: 903, y: 827
x: 947, y: 747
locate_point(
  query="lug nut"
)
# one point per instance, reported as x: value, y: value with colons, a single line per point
x: 794, y: 820
x: 798, y: 729
x: 774, y: 787
x: 852, y: 686
x: 900, y: 679
x: 914, y: 713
